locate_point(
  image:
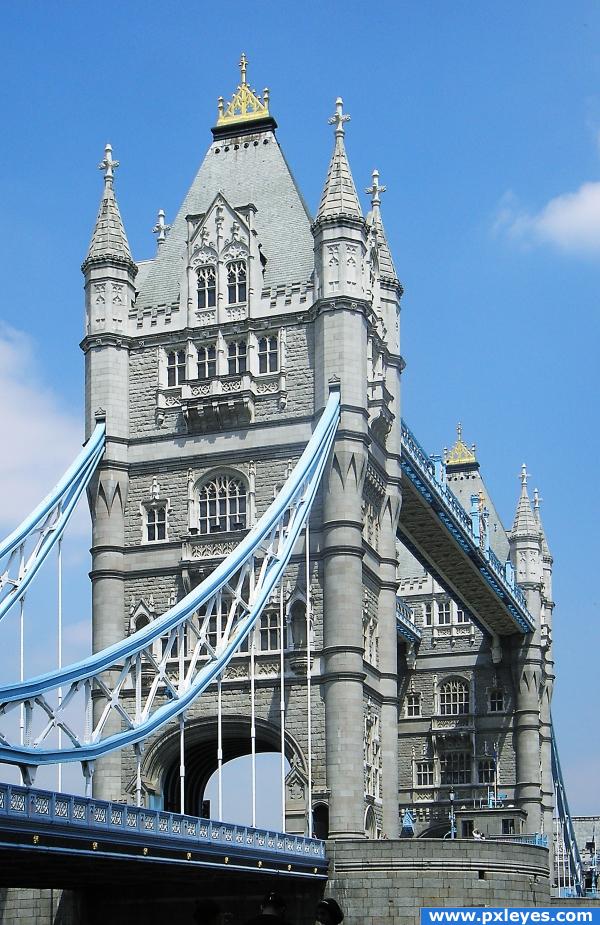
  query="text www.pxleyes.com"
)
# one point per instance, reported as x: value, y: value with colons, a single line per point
x: 462, y: 916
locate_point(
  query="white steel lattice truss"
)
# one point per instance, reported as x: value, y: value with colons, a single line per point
x: 149, y: 678
x: 25, y: 550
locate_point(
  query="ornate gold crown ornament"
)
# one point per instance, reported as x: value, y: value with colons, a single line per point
x: 460, y: 454
x: 245, y: 105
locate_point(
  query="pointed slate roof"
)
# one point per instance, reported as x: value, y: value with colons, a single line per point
x: 251, y: 169
x: 109, y: 241
x: 339, y: 194
x: 538, y: 517
x: 525, y: 523
x: 387, y: 269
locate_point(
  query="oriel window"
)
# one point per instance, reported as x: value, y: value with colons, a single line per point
x: 236, y: 357
x: 236, y: 282
x: 207, y: 362
x: 175, y: 367
x: 207, y: 287
x: 268, y: 355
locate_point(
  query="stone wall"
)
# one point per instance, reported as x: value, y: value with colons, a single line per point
x: 387, y: 882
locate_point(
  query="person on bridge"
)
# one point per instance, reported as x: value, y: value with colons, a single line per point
x: 329, y: 913
x: 272, y: 911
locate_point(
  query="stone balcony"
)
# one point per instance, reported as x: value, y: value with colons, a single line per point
x: 220, y: 403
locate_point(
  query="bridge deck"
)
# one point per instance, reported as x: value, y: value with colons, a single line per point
x: 438, y: 531
x: 39, y: 830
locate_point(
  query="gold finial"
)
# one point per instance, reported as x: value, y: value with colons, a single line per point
x: 245, y: 104
x: 460, y: 454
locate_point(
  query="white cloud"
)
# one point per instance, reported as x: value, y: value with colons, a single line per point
x: 570, y: 222
x: 40, y: 437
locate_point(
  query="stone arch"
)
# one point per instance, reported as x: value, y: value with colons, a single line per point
x: 161, y: 763
x: 370, y: 823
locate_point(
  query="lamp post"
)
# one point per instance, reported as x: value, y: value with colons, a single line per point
x: 452, y: 815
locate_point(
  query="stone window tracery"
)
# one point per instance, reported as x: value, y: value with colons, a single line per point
x: 444, y: 613
x: 424, y: 774
x: 207, y: 362
x: 269, y: 632
x: 497, y: 700
x: 455, y: 768
x: 222, y: 505
x: 237, y: 351
x: 175, y: 367
x: 268, y: 354
x: 236, y: 282
x: 486, y: 770
x: 207, y: 287
x: 454, y: 698
x: 413, y: 704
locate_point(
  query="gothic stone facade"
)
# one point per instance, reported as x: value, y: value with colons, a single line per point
x: 210, y: 364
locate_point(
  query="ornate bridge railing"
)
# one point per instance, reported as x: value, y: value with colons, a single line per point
x: 428, y: 477
x: 405, y: 622
x: 101, y: 826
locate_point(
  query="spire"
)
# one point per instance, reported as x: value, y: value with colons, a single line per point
x: 339, y: 195
x: 386, y: 264
x: 244, y: 107
x: 109, y: 241
x: 525, y: 523
x: 536, y: 513
x: 460, y: 456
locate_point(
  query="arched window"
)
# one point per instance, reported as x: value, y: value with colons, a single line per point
x: 298, y: 621
x: 454, y: 698
x: 207, y: 362
x: 268, y: 355
x: 175, y: 367
x: 236, y: 282
x: 207, y: 287
x: 222, y: 505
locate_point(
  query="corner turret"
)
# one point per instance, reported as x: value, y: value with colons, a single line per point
x: 525, y: 541
x: 339, y: 230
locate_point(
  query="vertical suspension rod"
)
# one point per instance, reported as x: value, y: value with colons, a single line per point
x: 59, y: 642
x: 22, y: 664
x: 253, y: 700
x: 282, y: 702
x: 253, y: 723
x: 182, y: 762
x: 219, y: 752
x: 308, y: 678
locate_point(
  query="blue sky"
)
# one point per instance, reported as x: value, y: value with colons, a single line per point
x: 484, y: 121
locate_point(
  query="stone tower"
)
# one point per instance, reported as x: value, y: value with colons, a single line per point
x: 211, y: 363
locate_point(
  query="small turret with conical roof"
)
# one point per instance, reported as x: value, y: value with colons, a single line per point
x: 525, y: 540
x: 339, y: 230
x: 109, y: 268
x: 109, y: 271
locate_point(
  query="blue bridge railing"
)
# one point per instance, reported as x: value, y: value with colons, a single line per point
x: 47, y: 810
x: 405, y: 622
x: 428, y: 477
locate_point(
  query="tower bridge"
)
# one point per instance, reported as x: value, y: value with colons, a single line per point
x: 278, y: 565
